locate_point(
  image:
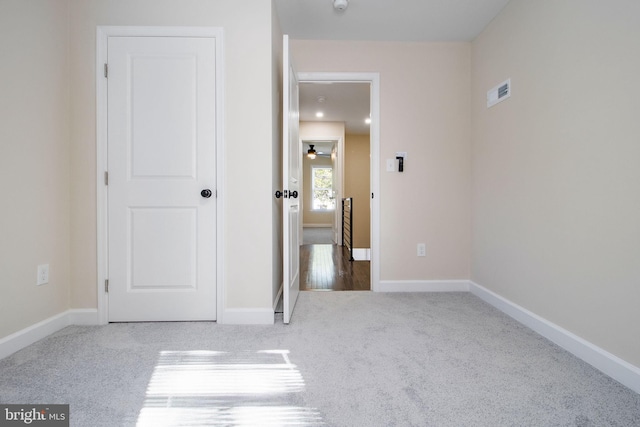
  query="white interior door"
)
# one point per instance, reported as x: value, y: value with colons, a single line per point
x: 161, y: 159
x: 291, y: 159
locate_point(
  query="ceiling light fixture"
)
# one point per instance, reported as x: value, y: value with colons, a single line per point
x: 340, y: 5
x: 368, y: 120
x: 319, y: 114
x: 311, y: 153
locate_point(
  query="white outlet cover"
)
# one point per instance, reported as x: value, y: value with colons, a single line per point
x: 43, y: 274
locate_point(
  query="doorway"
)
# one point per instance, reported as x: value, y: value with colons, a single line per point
x: 336, y: 114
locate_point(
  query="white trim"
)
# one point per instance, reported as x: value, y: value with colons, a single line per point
x: 611, y: 365
x: 317, y: 225
x: 221, y: 186
x: 83, y: 316
x: 362, y: 254
x: 102, y: 35
x: 374, y: 135
x: 249, y: 316
x: 423, y: 286
x: 29, y: 335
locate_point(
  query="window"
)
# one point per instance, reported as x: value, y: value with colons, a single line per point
x: 321, y: 188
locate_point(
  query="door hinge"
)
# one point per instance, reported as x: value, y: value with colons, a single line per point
x: 106, y: 71
x: 106, y: 178
x: 106, y: 285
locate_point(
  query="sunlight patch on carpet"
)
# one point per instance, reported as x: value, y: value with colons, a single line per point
x: 213, y: 388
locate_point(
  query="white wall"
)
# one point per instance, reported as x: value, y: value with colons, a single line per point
x: 425, y: 99
x: 34, y: 161
x: 556, y: 194
x: 249, y: 69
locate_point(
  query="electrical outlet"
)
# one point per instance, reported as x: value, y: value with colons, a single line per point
x: 422, y: 249
x: 43, y: 274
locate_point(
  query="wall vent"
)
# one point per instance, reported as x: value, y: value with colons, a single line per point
x: 499, y: 93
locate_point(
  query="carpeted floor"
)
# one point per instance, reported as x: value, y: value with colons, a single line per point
x: 347, y: 359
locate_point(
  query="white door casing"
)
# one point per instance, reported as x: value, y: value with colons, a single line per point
x: 291, y: 160
x: 374, y: 80
x: 161, y: 129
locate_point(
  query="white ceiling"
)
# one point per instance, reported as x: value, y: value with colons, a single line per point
x: 343, y: 102
x: 376, y: 20
x: 390, y: 20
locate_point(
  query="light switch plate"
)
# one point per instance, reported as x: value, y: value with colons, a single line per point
x: 391, y: 165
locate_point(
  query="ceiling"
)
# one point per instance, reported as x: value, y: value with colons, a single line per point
x: 375, y: 20
x: 388, y: 20
x: 339, y: 102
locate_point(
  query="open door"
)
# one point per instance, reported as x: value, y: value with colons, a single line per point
x: 291, y: 159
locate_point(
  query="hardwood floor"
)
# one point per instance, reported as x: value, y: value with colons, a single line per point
x: 327, y: 268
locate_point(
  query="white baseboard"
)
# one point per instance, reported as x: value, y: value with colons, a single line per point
x: 611, y: 365
x: 249, y: 316
x: 362, y: 254
x: 83, y: 316
x: 423, y: 286
x: 27, y: 336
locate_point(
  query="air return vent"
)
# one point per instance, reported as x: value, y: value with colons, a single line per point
x: 499, y: 93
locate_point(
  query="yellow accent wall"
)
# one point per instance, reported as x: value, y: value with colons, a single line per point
x: 357, y: 185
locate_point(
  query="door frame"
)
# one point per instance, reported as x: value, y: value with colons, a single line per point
x: 374, y: 99
x: 102, y: 36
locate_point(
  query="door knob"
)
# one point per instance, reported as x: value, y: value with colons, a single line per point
x: 206, y: 193
x: 294, y: 194
x: 278, y: 194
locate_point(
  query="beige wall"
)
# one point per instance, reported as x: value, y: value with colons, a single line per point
x: 319, y: 130
x: 248, y: 81
x: 357, y: 185
x: 34, y: 161
x: 556, y: 195
x: 309, y: 216
x: 425, y: 110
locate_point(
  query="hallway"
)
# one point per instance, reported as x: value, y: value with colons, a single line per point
x: 327, y: 268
